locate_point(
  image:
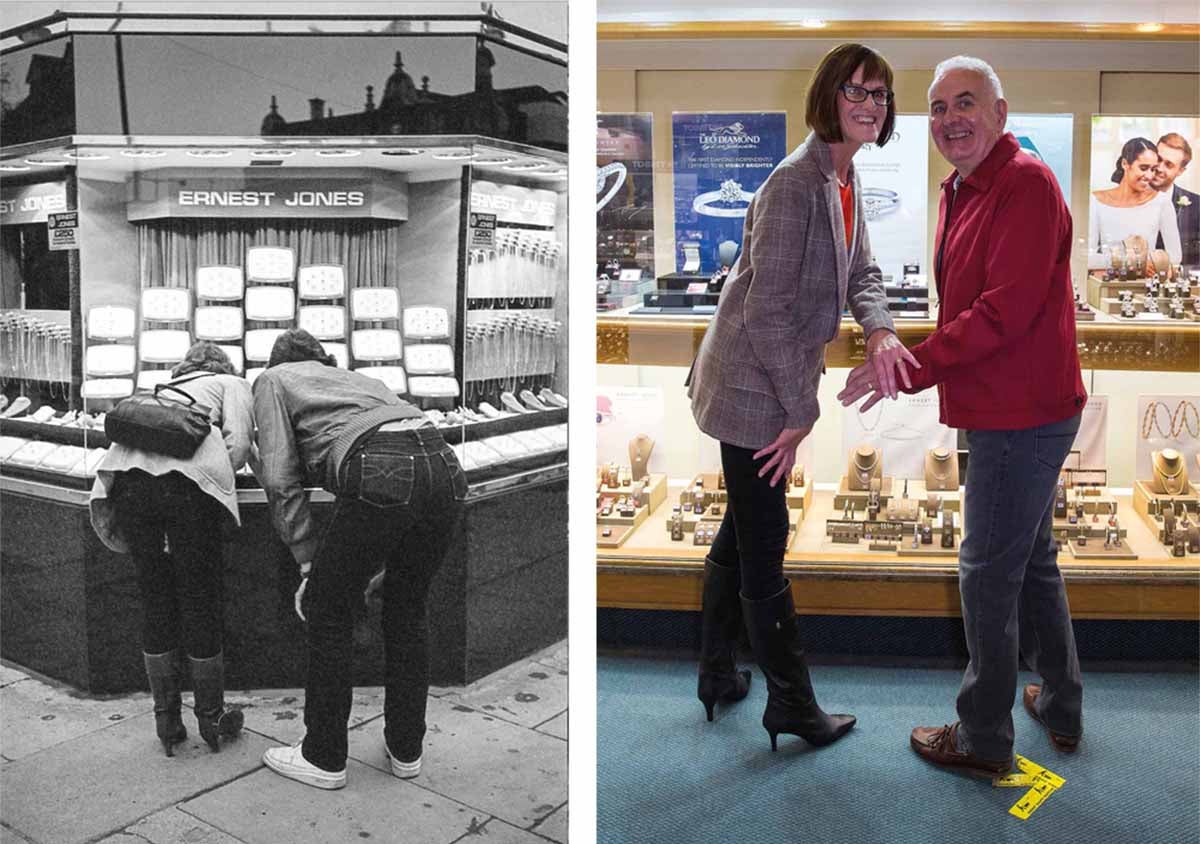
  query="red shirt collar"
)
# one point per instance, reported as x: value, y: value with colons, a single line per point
x: 983, y: 176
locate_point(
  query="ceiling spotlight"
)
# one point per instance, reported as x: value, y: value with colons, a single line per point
x: 525, y: 166
x: 209, y: 153
x: 403, y: 151
x: 812, y: 23
x: 493, y: 161
x: 80, y: 155
x: 45, y: 162
x: 143, y: 153
x: 1149, y: 27
x: 14, y: 168
x: 338, y: 153
x: 271, y: 153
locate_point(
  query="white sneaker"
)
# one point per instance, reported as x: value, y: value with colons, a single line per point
x: 290, y: 762
x: 403, y: 770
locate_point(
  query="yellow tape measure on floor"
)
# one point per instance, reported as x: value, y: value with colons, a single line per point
x: 1045, y: 783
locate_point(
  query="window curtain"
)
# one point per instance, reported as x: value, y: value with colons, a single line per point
x: 169, y: 251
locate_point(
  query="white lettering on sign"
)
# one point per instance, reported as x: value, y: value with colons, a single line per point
x: 34, y: 204
x: 235, y: 198
x: 333, y: 199
x: 496, y: 202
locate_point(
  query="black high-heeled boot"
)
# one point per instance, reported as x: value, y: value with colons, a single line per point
x: 721, y: 621
x: 163, y: 670
x: 791, y: 705
x: 214, y: 720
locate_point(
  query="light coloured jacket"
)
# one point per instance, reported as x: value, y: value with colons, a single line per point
x: 762, y: 357
x: 212, y: 467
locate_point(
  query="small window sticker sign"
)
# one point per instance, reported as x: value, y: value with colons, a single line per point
x: 483, y: 229
x: 63, y: 229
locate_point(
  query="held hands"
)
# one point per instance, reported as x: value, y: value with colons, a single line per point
x: 886, y: 356
x: 782, y: 453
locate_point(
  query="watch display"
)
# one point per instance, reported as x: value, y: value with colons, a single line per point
x: 219, y: 322
x: 259, y: 342
x: 163, y: 345
x: 270, y: 263
x: 322, y: 281
x: 429, y: 359
x: 325, y: 322
x: 224, y: 284
x: 107, y: 361
x: 426, y: 323
x: 373, y: 304
x: 275, y: 304
x: 376, y: 344
x: 166, y: 304
x: 392, y: 376
x: 111, y: 323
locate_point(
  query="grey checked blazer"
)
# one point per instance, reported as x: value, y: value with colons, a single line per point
x: 762, y: 357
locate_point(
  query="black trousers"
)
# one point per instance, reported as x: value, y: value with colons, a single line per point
x: 182, y: 590
x: 400, y: 498
x: 753, y: 534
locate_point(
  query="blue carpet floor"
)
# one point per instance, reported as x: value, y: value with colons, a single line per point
x: 666, y: 775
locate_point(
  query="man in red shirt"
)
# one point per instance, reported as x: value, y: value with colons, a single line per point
x: 1005, y: 364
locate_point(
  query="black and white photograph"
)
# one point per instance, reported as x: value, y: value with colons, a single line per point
x: 283, y: 426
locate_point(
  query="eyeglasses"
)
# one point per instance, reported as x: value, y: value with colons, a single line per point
x: 858, y: 94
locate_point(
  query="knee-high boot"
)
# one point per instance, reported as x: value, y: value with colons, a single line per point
x: 791, y: 705
x: 163, y: 672
x: 721, y: 621
x: 214, y: 720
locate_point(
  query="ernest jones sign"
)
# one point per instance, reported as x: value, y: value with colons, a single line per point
x: 382, y: 198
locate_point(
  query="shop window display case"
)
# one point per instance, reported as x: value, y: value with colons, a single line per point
x: 876, y: 500
x: 369, y: 239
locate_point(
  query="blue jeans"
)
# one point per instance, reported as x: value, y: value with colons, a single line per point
x: 1013, y: 596
x: 399, y: 498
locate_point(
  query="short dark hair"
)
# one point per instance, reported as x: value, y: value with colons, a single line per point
x: 296, y: 345
x: 204, y: 356
x: 1177, y: 141
x: 1133, y: 148
x: 834, y: 71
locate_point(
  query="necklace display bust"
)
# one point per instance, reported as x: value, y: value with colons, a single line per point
x: 941, y: 470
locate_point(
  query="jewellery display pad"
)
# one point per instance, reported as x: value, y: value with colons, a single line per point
x: 617, y: 508
x: 1158, y: 511
x: 166, y: 304
x: 221, y: 284
x: 270, y: 263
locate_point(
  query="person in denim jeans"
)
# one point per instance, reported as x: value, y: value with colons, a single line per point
x: 399, y: 490
x: 1006, y: 367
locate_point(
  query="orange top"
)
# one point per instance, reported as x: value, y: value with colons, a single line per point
x: 847, y: 193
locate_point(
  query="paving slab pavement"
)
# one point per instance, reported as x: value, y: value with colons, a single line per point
x: 494, y: 771
x: 38, y: 716
x: 171, y: 826
x: 110, y: 778
x: 265, y: 808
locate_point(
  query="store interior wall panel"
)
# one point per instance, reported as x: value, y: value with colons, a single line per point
x: 42, y: 620
x: 1150, y: 93
x: 616, y: 90
x: 108, y: 250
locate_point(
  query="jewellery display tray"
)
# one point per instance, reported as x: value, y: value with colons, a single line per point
x: 92, y: 438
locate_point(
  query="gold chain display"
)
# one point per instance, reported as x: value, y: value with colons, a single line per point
x: 1186, y: 417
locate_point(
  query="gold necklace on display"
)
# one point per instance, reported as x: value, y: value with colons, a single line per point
x: 1168, y: 478
x: 864, y: 474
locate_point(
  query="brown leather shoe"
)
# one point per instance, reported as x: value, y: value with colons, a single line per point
x: 1066, y: 744
x: 939, y: 746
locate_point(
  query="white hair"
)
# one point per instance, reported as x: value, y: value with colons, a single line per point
x: 968, y: 63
